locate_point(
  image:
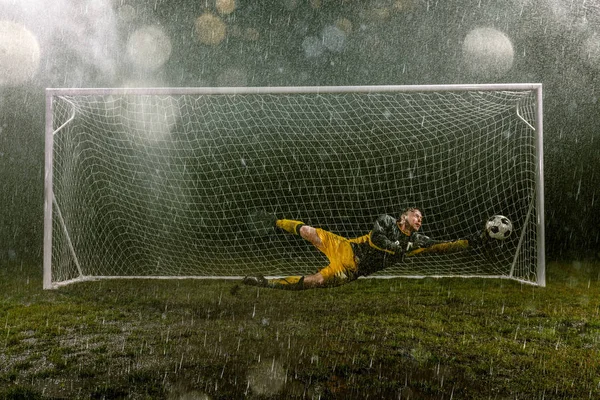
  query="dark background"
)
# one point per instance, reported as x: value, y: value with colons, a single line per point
x: 293, y: 43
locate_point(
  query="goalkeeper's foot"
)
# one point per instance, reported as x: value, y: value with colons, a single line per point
x: 257, y: 280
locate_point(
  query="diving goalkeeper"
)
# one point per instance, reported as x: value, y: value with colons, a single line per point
x: 389, y: 242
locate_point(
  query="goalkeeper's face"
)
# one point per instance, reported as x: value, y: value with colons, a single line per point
x: 413, y: 220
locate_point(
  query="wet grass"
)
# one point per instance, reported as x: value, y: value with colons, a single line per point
x: 420, y: 339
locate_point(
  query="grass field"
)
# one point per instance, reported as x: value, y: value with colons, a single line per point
x: 375, y: 339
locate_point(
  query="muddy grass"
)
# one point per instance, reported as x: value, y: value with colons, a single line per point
x: 420, y: 339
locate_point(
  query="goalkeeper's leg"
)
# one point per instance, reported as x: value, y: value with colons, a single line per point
x: 286, y: 283
x: 342, y: 267
x: 313, y: 281
x: 299, y: 228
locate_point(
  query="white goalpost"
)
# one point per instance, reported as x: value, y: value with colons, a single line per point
x: 176, y: 182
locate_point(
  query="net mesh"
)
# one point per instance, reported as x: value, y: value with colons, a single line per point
x: 179, y: 185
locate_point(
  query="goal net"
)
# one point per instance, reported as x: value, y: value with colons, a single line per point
x: 174, y: 183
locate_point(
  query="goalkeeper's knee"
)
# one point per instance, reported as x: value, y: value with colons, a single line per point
x: 290, y: 226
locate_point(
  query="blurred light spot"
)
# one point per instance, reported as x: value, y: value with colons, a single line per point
x: 210, y: 29
x: 344, y: 25
x: 312, y: 46
x: 225, y: 7
x: 487, y: 52
x: 267, y: 378
x: 334, y: 38
x: 19, y: 53
x: 149, y: 48
x: 126, y: 13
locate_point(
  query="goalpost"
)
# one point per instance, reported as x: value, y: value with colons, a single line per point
x: 175, y: 182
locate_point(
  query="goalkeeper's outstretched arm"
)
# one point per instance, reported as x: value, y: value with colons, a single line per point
x: 422, y: 244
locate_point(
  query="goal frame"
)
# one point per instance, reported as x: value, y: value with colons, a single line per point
x: 49, y: 198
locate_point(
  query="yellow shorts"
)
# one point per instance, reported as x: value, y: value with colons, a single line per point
x: 342, y: 267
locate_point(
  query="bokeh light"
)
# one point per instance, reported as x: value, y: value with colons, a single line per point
x: 267, y: 378
x: 19, y: 54
x: 312, y: 46
x: 487, y: 52
x: 126, y: 13
x: 225, y: 7
x: 149, y: 48
x: 210, y: 29
x: 344, y: 24
x: 334, y: 39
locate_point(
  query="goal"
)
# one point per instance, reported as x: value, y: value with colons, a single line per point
x: 176, y: 182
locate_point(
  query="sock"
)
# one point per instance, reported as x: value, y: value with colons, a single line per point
x: 287, y: 283
x: 289, y: 225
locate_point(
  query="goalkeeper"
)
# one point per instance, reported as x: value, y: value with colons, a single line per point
x: 389, y: 242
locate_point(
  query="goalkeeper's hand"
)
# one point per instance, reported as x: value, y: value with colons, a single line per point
x: 395, y: 247
x: 420, y: 241
x: 399, y: 252
x: 416, y: 241
x: 478, y: 239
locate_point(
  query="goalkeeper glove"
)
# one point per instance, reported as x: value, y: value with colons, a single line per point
x: 478, y: 239
x: 399, y: 252
x: 416, y: 241
x: 419, y: 241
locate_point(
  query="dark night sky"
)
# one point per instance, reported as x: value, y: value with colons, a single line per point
x: 119, y: 43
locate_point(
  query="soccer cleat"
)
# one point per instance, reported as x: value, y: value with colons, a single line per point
x: 257, y: 280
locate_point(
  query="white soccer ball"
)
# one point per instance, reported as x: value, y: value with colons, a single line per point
x: 498, y: 227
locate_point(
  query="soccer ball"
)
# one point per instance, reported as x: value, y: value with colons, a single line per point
x: 498, y: 227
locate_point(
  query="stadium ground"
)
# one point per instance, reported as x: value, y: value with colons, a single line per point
x: 378, y: 339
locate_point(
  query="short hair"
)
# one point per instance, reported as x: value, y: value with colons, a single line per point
x: 409, y: 209
x: 406, y: 211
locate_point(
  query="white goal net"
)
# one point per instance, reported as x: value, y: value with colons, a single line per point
x: 175, y: 183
